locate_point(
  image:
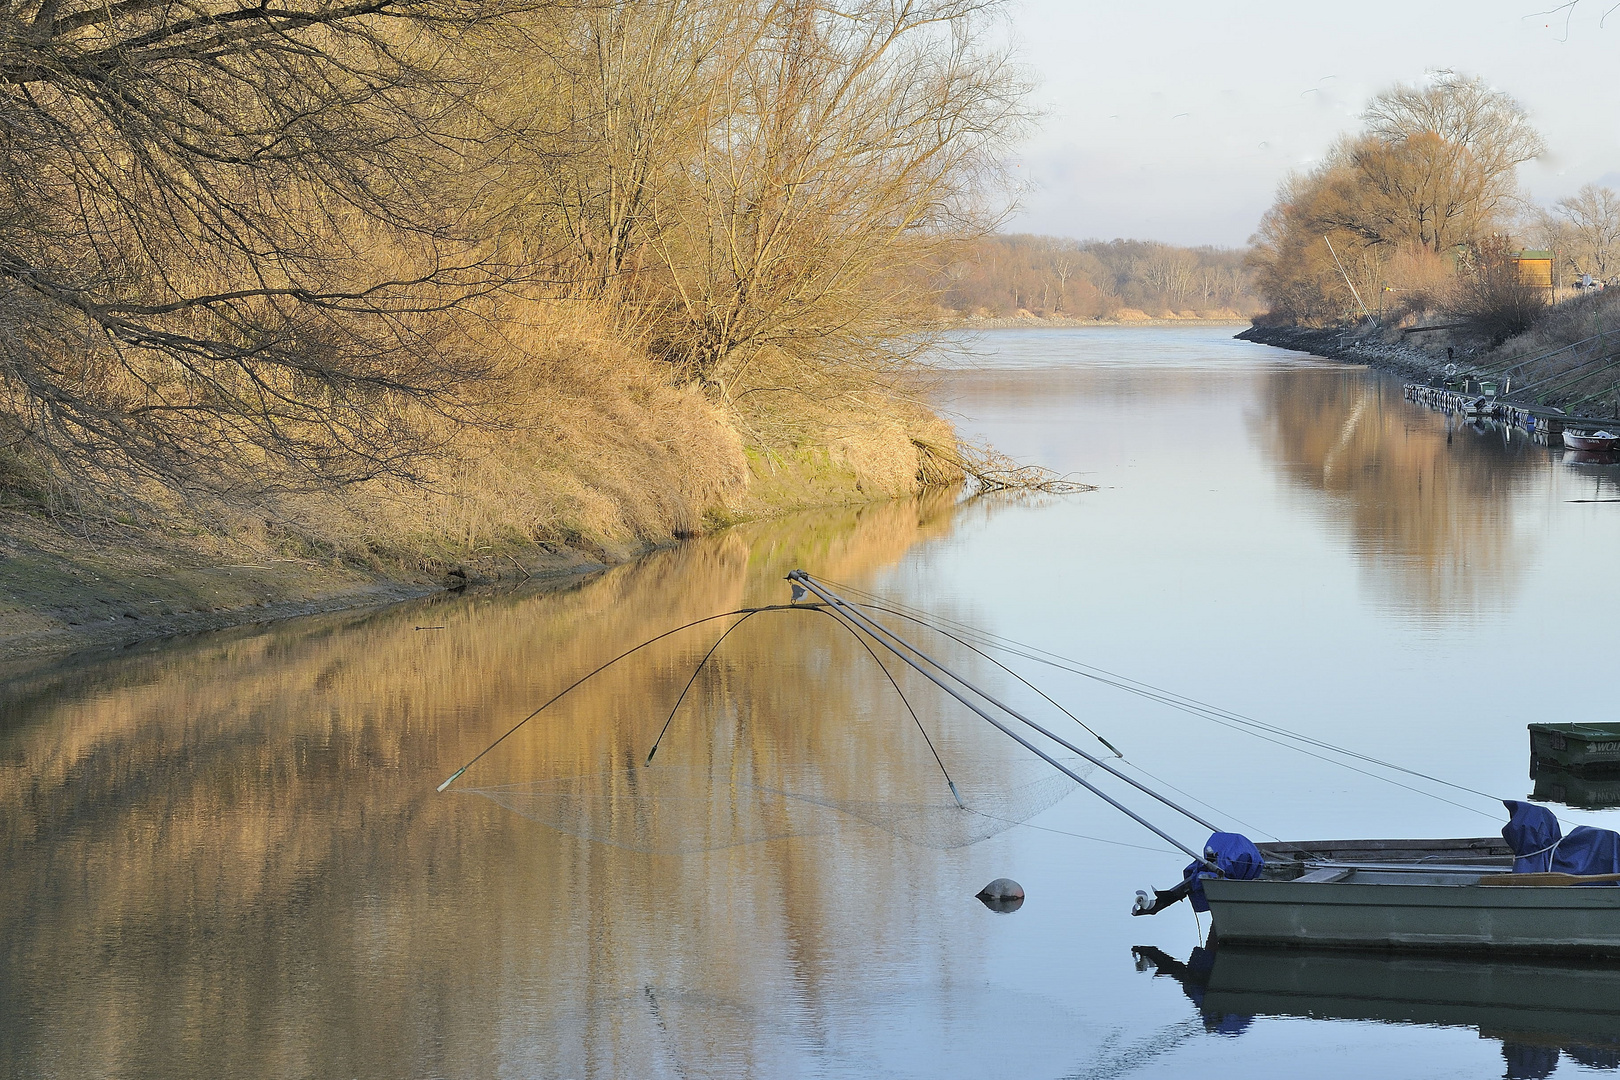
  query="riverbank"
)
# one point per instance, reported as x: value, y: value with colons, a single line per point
x: 63, y: 593
x: 71, y: 585
x: 1564, y: 361
x: 602, y: 460
x: 1354, y: 346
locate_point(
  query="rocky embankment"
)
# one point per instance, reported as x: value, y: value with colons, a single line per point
x: 1355, y: 345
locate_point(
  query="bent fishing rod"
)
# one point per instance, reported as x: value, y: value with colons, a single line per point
x: 895, y: 644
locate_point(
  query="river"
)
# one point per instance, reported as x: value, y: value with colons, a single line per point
x: 225, y: 855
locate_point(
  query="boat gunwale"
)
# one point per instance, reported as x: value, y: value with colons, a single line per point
x: 1597, y: 896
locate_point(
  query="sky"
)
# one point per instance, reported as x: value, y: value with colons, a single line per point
x: 1176, y: 120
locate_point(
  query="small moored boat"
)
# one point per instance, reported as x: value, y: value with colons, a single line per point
x: 1406, y: 895
x: 1536, y: 892
x: 1590, y: 440
x: 1576, y: 747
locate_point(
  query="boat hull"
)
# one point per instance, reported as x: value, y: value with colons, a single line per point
x: 1574, y: 441
x: 1417, y: 911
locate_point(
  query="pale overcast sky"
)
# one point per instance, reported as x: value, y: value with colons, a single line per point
x: 1176, y: 120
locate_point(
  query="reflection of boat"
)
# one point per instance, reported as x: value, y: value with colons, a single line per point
x: 1577, y: 747
x: 1584, y: 791
x: 1539, y: 1007
x: 1591, y: 457
x: 1409, y: 894
x: 1594, y: 440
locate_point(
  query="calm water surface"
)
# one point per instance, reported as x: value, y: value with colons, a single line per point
x: 225, y: 856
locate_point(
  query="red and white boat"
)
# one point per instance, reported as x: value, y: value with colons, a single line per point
x: 1591, y: 440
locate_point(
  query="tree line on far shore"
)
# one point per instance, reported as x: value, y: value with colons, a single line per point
x: 1006, y: 275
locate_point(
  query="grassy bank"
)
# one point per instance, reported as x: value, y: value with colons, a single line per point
x: 615, y: 471
x: 372, y: 304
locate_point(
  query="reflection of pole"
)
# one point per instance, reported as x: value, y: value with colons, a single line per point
x: 1347, y: 280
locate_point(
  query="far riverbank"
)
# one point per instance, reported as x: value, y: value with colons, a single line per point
x: 1348, y: 344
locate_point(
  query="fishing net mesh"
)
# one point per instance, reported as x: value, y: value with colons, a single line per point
x: 791, y: 729
x: 674, y: 809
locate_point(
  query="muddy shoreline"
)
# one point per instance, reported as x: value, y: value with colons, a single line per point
x: 1340, y: 343
x: 65, y: 597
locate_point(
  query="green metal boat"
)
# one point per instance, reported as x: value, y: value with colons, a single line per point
x: 1405, y: 895
x: 1576, y: 747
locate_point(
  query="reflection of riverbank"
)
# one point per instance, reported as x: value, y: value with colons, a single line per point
x: 227, y: 858
x: 1425, y: 499
x: 1537, y: 1011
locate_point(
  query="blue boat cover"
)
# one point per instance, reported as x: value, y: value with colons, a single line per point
x: 1233, y: 853
x: 1539, y: 844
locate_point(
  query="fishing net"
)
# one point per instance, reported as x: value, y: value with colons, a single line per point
x: 670, y: 809
x: 793, y: 728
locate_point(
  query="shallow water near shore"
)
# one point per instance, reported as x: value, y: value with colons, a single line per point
x: 225, y: 856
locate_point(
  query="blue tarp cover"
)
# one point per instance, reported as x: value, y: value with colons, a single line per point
x: 1539, y: 844
x: 1234, y: 854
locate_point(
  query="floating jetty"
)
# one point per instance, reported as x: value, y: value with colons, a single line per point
x: 1544, y: 423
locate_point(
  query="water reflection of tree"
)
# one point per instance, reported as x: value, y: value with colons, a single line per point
x: 1427, y: 500
x: 226, y: 857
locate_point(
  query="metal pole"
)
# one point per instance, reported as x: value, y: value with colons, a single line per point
x: 879, y: 633
x: 1347, y: 280
x: 837, y: 601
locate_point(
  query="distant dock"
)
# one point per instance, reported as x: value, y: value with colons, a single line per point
x: 1544, y: 424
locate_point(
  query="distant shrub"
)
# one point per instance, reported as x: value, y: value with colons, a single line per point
x: 1491, y: 296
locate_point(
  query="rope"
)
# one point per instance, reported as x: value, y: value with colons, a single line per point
x: 1077, y: 836
x: 889, y: 640
x: 1235, y: 721
x: 926, y: 625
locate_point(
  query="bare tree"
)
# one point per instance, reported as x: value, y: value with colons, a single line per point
x: 1437, y: 164
x: 220, y: 261
x: 843, y: 143
x: 1592, y: 220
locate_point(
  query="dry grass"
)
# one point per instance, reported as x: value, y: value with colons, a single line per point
x: 1570, y: 358
x: 583, y: 443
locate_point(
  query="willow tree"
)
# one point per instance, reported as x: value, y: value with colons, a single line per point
x: 1441, y: 159
x: 752, y: 184
x: 1434, y: 168
x: 852, y: 143
x: 220, y: 262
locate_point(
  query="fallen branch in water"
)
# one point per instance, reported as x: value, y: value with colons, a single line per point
x: 991, y: 470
